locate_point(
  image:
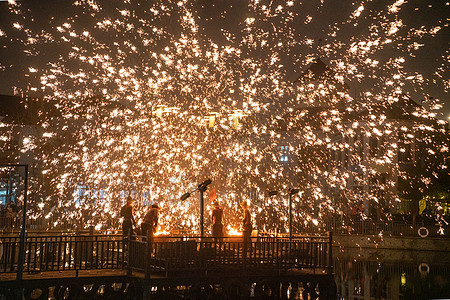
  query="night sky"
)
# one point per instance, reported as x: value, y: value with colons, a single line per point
x: 309, y: 29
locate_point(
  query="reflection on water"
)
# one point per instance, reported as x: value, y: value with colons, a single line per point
x: 392, y: 274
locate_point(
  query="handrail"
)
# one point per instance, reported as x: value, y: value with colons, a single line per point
x: 338, y: 225
x: 194, y: 254
x: 162, y: 254
x: 389, y: 228
x: 60, y: 253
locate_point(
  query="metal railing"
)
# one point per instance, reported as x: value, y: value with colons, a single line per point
x: 62, y: 253
x: 336, y: 225
x: 171, y: 255
x: 386, y: 228
x: 165, y: 255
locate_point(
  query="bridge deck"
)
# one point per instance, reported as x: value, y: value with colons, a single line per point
x: 163, y: 256
x: 108, y: 265
x: 48, y: 275
x: 63, y: 274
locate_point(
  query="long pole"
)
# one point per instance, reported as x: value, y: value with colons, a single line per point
x: 201, y: 213
x: 22, y: 231
x: 290, y: 215
x: 330, y: 252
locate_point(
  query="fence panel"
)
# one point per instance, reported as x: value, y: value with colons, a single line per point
x: 193, y: 254
x: 59, y: 253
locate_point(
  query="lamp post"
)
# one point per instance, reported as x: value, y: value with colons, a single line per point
x: 201, y: 188
x: 24, y: 219
x: 291, y: 193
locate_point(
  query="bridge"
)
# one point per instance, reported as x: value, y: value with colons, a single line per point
x: 111, y: 266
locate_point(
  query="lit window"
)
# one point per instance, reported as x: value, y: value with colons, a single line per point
x: 284, y: 158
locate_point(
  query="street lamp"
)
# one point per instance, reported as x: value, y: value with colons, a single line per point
x: 24, y: 220
x: 201, y: 188
x: 291, y: 192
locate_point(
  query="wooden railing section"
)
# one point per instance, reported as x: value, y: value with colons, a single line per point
x: 62, y: 253
x: 165, y: 256
x: 273, y: 254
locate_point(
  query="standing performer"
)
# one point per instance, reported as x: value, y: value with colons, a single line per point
x: 128, y: 220
x: 216, y: 220
x: 246, y: 226
x: 150, y: 223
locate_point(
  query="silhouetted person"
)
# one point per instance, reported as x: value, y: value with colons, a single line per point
x: 128, y: 220
x: 246, y: 226
x: 9, y: 216
x: 150, y: 223
x: 216, y: 220
x: 427, y: 215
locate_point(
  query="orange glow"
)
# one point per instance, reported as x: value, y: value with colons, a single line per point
x: 155, y: 127
x: 163, y: 232
x: 234, y: 232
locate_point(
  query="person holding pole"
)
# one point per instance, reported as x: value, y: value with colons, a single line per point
x: 128, y: 219
x: 150, y: 223
x: 246, y: 226
x: 216, y: 221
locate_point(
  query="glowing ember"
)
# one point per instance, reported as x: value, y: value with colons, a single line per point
x: 162, y: 232
x: 234, y: 232
x: 134, y: 106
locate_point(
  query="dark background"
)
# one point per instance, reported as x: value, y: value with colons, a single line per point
x: 216, y: 18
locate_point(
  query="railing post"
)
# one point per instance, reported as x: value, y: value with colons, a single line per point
x: 330, y: 253
x: 22, y: 230
x: 130, y: 233
x: 201, y: 215
x: 148, y: 253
